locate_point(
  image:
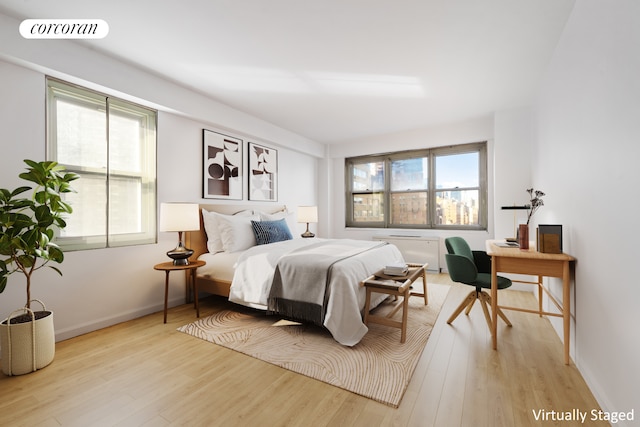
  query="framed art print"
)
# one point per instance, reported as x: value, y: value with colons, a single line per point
x: 222, y: 166
x: 263, y: 173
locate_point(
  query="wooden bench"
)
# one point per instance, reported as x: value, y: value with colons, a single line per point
x: 398, y: 286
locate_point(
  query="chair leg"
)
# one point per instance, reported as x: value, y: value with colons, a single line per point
x: 485, y: 309
x: 486, y: 297
x: 470, y: 306
x: 485, y: 300
x: 470, y: 299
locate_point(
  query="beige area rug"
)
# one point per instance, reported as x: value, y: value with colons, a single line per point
x: 379, y: 367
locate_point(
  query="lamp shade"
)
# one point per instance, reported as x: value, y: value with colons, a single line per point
x: 179, y: 217
x: 307, y: 214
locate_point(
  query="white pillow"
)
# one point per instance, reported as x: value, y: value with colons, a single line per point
x: 212, y: 229
x: 236, y: 232
x: 290, y: 218
x: 214, y: 243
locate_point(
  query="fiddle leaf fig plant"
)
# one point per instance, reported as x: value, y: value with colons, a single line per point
x: 28, y: 224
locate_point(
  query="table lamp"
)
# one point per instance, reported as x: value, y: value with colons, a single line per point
x: 515, y: 226
x: 179, y: 217
x: 308, y: 214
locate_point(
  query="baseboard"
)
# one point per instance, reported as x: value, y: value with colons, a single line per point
x: 605, y: 404
x: 96, y: 324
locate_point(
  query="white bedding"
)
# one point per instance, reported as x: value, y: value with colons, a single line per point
x: 220, y: 266
x: 255, y: 267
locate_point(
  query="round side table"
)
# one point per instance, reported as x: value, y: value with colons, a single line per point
x: 168, y: 267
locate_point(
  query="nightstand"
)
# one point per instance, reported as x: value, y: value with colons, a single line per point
x: 168, y: 267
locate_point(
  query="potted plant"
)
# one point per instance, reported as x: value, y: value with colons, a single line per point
x: 27, y: 230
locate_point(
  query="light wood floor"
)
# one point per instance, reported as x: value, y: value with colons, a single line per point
x: 145, y: 373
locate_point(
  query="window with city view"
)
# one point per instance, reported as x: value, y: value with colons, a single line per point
x: 443, y: 187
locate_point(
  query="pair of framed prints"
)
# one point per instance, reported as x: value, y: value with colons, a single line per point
x: 223, y: 169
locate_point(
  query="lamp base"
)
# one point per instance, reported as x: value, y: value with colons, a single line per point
x: 180, y: 255
x: 307, y: 233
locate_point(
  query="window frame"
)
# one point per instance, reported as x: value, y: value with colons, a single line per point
x: 432, y: 191
x: 147, y: 176
x: 367, y: 192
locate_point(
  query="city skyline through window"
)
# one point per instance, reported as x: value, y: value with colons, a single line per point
x: 423, y: 189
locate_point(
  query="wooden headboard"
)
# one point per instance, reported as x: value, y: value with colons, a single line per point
x: 197, y: 240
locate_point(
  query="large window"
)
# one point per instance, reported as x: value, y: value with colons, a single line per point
x: 442, y: 187
x: 111, y: 144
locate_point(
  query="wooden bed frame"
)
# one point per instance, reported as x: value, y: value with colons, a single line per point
x: 197, y: 241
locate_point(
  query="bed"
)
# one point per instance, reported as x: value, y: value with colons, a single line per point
x: 267, y: 276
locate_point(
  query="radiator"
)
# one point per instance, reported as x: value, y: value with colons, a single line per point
x: 416, y: 249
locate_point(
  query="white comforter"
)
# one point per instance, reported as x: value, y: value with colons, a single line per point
x: 254, y: 274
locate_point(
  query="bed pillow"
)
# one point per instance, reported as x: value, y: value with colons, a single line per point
x: 236, y: 232
x: 271, y: 231
x: 289, y: 217
x: 214, y: 243
x: 212, y: 230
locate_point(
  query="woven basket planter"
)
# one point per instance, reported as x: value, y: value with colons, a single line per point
x: 29, y: 346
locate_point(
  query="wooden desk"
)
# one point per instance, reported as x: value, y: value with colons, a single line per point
x: 531, y: 262
x: 168, y: 267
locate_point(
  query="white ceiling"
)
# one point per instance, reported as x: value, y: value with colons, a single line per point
x: 334, y: 70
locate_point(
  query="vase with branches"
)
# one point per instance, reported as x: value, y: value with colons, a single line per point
x: 535, y: 202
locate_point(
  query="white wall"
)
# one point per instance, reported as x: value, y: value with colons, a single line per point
x: 586, y: 159
x: 512, y: 167
x: 107, y: 286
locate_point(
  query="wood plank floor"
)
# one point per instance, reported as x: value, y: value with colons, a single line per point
x: 145, y: 373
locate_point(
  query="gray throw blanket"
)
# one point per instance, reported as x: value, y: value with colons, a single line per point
x: 300, y: 288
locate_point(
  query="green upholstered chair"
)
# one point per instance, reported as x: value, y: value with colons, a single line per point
x: 472, y: 268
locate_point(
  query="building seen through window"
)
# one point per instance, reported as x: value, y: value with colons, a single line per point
x: 436, y: 188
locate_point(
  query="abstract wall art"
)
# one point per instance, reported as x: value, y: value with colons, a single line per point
x: 263, y: 173
x: 222, y: 166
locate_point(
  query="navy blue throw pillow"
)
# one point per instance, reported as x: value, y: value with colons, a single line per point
x: 271, y: 231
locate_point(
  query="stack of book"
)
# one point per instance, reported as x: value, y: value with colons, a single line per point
x: 398, y: 269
